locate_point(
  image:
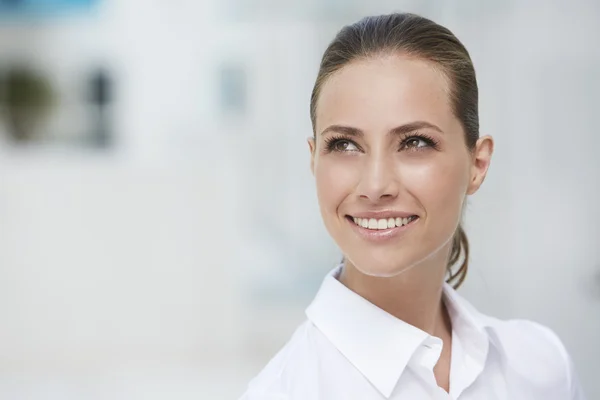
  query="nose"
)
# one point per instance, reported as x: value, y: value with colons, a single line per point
x: 379, y: 180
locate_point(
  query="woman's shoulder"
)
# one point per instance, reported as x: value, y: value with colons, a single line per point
x: 534, y: 352
x: 524, y: 341
x: 521, y: 343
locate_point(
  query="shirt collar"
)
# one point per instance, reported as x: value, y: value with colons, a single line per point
x: 467, y: 322
x: 470, y: 341
x: 378, y: 344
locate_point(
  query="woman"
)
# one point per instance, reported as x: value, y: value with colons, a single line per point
x: 396, y: 150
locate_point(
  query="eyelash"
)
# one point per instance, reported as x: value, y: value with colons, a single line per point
x: 332, y: 141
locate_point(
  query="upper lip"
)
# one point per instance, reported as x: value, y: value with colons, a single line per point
x: 382, y: 214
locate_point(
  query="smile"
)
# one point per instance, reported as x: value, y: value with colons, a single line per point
x: 382, y: 230
x: 383, y: 223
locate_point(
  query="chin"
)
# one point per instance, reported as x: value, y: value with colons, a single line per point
x: 381, y: 267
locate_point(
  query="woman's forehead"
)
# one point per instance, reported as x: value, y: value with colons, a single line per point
x: 390, y: 90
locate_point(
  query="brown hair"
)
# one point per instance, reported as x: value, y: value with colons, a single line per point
x: 422, y: 38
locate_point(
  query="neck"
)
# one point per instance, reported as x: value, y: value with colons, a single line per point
x: 414, y: 296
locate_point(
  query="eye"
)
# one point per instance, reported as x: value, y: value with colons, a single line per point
x: 416, y: 142
x: 340, y: 145
x: 419, y: 142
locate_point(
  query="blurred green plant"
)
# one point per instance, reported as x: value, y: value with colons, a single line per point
x: 27, y: 97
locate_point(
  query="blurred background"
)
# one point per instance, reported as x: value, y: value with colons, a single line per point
x: 159, y: 231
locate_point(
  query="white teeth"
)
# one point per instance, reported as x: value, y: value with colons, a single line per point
x: 377, y: 224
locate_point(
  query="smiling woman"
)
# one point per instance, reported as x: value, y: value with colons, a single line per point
x: 395, y: 152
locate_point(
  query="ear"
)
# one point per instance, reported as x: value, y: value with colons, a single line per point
x: 482, y: 156
x: 312, y: 145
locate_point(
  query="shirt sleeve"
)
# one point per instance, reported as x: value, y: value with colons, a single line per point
x: 573, y: 386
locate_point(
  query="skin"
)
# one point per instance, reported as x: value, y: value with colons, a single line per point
x: 367, y: 166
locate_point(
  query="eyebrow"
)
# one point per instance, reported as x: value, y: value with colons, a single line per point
x: 399, y: 130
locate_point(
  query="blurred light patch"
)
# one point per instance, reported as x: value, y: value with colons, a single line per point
x: 35, y: 7
x: 31, y: 101
x: 232, y: 79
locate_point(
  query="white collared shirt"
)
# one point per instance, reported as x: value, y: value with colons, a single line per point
x: 348, y: 348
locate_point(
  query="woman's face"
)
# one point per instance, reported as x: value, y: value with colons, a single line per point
x: 391, y: 165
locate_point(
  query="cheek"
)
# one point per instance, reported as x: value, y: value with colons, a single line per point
x: 439, y: 186
x: 335, y: 181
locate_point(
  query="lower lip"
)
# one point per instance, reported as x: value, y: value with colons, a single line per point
x: 381, y: 235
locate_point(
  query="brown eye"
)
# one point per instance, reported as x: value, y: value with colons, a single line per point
x: 341, y: 145
x: 416, y: 143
